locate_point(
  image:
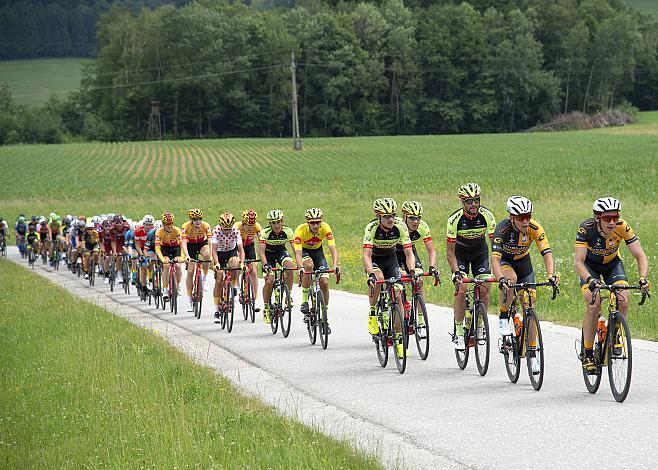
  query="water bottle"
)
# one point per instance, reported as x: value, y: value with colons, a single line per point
x: 601, y: 329
x: 518, y: 323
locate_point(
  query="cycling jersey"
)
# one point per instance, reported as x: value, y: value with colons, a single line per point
x: 170, y: 238
x: 602, y: 250
x: 129, y: 239
x: 511, y: 244
x: 196, y: 235
x: 248, y: 232
x: 140, y: 236
x: 118, y: 232
x: 276, y: 242
x: 150, y: 241
x: 55, y: 226
x: 20, y: 228
x: 304, y: 238
x: 42, y: 229
x: 31, y: 237
x: 383, y: 242
x: 90, y: 237
x: 226, y: 241
x: 469, y: 232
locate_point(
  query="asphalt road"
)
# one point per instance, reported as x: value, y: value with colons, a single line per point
x: 445, y: 417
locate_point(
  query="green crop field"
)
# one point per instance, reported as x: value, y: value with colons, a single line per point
x: 647, y: 6
x: 34, y: 81
x: 561, y: 172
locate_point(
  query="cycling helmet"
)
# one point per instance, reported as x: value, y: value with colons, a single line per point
x: 81, y: 223
x: 95, y: 219
x: 249, y: 217
x: 21, y: 218
x: 275, y: 215
x: 517, y: 205
x: 313, y: 214
x: 385, y: 206
x: 34, y: 218
x: 469, y: 190
x: 133, y: 226
x: 67, y: 219
x: 52, y: 214
x: 606, y: 204
x: 42, y: 220
x: 158, y: 224
x: 412, y: 208
x: 103, y: 216
x: 118, y: 219
x: 226, y: 220
x: 82, y: 217
x: 31, y: 226
x: 167, y: 218
x: 57, y: 218
x: 195, y: 213
x: 89, y: 225
x: 149, y: 219
x: 110, y: 216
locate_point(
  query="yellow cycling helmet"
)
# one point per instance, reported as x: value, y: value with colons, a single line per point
x: 412, y: 208
x: 275, y: 215
x: 384, y: 206
x: 167, y: 218
x: 195, y: 213
x: 469, y: 190
x: 313, y: 214
x: 249, y: 216
x: 226, y: 220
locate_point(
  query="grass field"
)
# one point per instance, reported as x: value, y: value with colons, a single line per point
x: 561, y: 172
x: 647, y: 6
x: 34, y: 81
x: 81, y: 388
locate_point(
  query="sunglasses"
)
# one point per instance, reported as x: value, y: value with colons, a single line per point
x: 524, y: 217
x: 314, y: 222
x: 472, y: 200
x: 197, y: 220
x: 389, y: 216
x: 609, y: 218
x: 414, y: 218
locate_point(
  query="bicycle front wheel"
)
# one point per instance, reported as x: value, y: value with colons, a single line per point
x: 592, y: 381
x: 286, y: 311
x: 244, y: 297
x: 534, y: 348
x: 512, y: 358
x: 620, y: 357
x: 482, y: 343
x: 198, y: 295
x: 113, y: 274
x: 462, y: 355
x: 400, y: 338
x: 381, y: 340
x: 321, y: 317
x: 312, y: 325
x: 421, y: 328
x: 230, y: 308
x: 251, y: 292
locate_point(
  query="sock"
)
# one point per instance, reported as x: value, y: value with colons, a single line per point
x: 459, y: 328
x: 373, y: 310
x: 216, y: 301
x: 305, y: 293
x: 589, y: 345
x: 189, y: 292
x: 503, y: 315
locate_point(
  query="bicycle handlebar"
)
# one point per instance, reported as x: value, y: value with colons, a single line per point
x: 321, y: 271
x: 531, y: 285
x: 618, y: 287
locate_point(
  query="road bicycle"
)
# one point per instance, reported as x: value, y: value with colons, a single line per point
x: 317, y: 312
x: 612, y: 344
x: 247, y: 297
x: 476, y: 325
x: 126, y: 272
x: 156, y: 291
x: 415, y: 313
x: 526, y: 338
x: 91, y: 267
x: 31, y: 255
x: 172, y: 298
x: 55, y: 256
x: 392, y: 330
x: 281, y: 308
x: 197, y: 286
x: 227, y: 300
x: 3, y: 246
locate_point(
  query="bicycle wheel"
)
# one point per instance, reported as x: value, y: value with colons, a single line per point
x: 321, y: 317
x: 173, y: 291
x: 381, y: 340
x: 92, y: 271
x: 421, y: 327
x: 620, y: 357
x: 512, y: 359
x: 534, y: 350
x: 112, y: 274
x: 482, y: 343
x: 286, y: 310
x: 274, y: 317
x: 592, y: 381
x: 312, y: 325
x: 230, y: 308
x: 244, y: 299
x: 251, y: 299
x: 400, y: 338
x: 198, y: 295
x: 462, y: 356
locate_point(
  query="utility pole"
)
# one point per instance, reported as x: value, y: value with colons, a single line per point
x: 296, y: 140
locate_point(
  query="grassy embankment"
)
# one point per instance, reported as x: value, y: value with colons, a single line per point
x: 561, y: 172
x: 80, y: 387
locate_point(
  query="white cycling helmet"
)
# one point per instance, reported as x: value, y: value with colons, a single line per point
x: 133, y: 226
x: 148, y: 219
x: 158, y: 224
x: 89, y: 225
x: 96, y: 219
x: 517, y: 205
x: 606, y: 204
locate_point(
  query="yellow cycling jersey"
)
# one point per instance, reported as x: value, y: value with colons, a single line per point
x: 304, y: 238
x: 602, y: 250
x: 511, y: 244
x: 171, y: 238
x: 248, y: 232
x: 196, y: 235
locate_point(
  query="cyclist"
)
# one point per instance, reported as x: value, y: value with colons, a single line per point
x: 32, y: 237
x: 54, y: 233
x: 91, y: 241
x: 227, y: 252
x: 145, y: 260
x: 418, y: 229
x: 379, y: 259
x: 104, y: 228
x: 118, y: 228
x: 597, y: 256
x: 195, y: 234
x: 510, y: 256
x: 20, y: 229
x: 272, y: 246
x: 167, y: 247
x: 44, y: 236
x: 249, y: 230
x: 467, y: 250
x: 130, y: 249
x: 310, y: 255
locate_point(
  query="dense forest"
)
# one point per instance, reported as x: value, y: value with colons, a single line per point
x: 384, y: 67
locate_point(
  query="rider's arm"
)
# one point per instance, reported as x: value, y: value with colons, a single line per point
x: 367, y: 260
x: 548, y: 262
x: 158, y: 247
x: 496, y: 267
x: 183, y: 244
x: 431, y: 252
x: 297, y: 246
x: 334, y: 255
x: 579, y: 255
x: 410, y: 259
x: 452, y: 258
x: 642, y: 262
x: 241, y: 253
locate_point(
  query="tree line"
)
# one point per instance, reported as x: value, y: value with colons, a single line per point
x: 388, y: 67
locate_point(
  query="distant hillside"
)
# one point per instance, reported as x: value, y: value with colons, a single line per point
x: 648, y: 6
